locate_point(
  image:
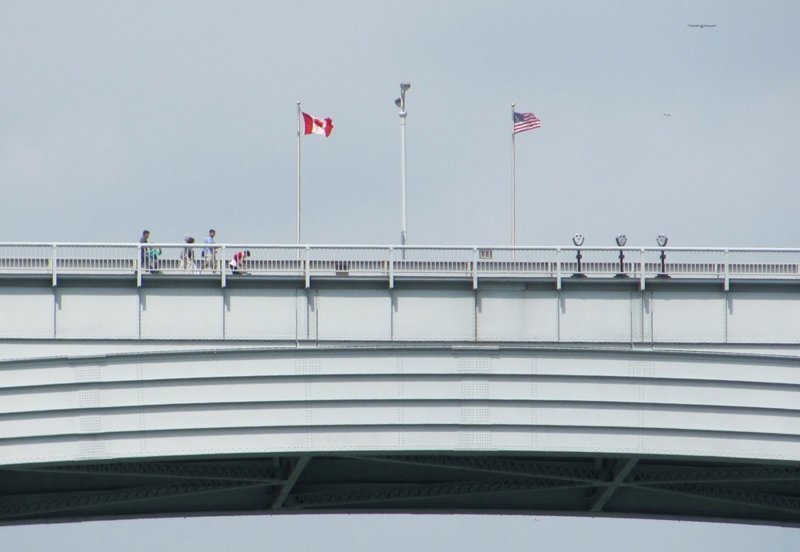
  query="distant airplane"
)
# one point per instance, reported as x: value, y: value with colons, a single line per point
x: 667, y: 114
x: 701, y: 25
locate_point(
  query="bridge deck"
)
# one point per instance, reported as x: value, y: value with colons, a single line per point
x: 357, y: 380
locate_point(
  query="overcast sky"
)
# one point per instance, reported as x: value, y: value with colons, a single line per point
x: 397, y: 533
x: 178, y: 116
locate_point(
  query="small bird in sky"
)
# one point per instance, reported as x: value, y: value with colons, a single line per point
x: 667, y: 114
x: 702, y: 25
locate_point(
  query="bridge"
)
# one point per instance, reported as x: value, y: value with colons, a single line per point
x: 628, y: 382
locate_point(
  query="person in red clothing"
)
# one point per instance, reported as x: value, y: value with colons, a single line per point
x: 238, y: 260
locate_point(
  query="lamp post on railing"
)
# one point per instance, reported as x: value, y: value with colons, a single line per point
x: 621, y: 240
x: 577, y: 239
x: 401, y: 103
x: 662, y: 243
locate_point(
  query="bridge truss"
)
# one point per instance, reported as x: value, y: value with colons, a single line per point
x: 467, y: 483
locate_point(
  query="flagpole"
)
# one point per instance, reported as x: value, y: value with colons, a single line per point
x: 297, y: 206
x: 513, y: 180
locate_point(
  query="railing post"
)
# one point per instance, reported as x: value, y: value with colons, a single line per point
x: 558, y: 268
x: 641, y: 269
x: 139, y: 258
x: 474, y: 268
x: 391, y: 267
x: 54, y: 258
x: 222, y: 267
x: 727, y: 285
x: 308, y: 268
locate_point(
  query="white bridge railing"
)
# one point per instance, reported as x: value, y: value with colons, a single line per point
x: 390, y: 262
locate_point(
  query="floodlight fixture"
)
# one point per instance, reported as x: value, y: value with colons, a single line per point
x: 401, y: 101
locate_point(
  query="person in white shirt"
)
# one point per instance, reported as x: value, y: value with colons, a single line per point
x: 209, y: 251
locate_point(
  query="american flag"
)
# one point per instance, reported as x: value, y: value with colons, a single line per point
x: 525, y: 121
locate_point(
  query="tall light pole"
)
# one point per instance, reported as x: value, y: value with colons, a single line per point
x: 401, y: 103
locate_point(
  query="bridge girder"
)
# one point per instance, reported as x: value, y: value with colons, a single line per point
x: 599, y: 398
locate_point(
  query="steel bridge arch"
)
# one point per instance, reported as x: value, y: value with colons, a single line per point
x: 600, y: 430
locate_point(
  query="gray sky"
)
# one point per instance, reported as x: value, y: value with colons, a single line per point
x: 178, y: 116
x: 397, y: 533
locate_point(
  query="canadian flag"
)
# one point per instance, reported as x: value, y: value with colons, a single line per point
x: 315, y: 125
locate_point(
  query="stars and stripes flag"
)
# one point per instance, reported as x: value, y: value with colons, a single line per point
x: 525, y: 121
x: 317, y: 125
